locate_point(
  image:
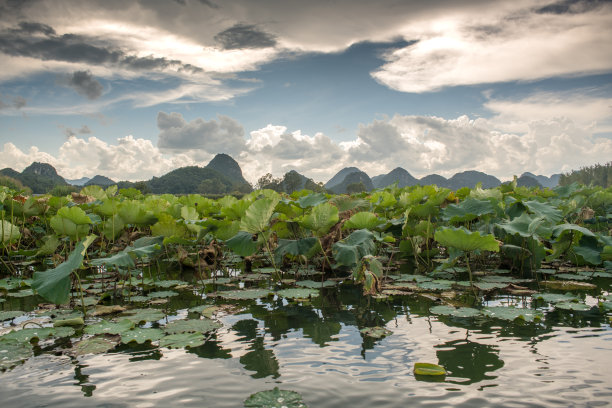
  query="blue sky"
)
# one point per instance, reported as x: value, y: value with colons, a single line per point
x: 134, y: 89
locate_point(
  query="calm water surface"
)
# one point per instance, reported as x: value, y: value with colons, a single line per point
x: 317, y: 350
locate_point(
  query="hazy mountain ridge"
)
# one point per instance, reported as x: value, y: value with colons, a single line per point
x: 39, y: 177
x: 101, y: 181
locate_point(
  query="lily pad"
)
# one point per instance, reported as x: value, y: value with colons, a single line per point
x: 191, y: 325
x: 10, y: 314
x: 428, y: 369
x: 95, y: 345
x: 313, y: 285
x: 34, y: 335
x: 170, y: 283
x: 143, y: 315
x: 555, y: 297
x: 162, y: 294
x: 568, y: 285
x: 21, y: 293
x: 574, y: 306
x: 573, y: 276
x: 275, y: 399
x: 244, y: 294
x: 511, y: 313
x: 13, y: 352
x: 455, y: 312
x: 182, y: 340
x: 439, y: 284
x: 205, y: 310
x: 106, y: 327
x: 140, y: 335
x: 490, y: 285
x: 376, y: 332
x: 298, y: 293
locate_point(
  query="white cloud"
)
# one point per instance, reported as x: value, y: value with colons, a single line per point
x: 465, y: 49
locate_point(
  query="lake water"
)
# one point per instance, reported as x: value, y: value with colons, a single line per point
x: 316, y: 349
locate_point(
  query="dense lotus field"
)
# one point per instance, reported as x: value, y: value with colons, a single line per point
x: 98, y: 269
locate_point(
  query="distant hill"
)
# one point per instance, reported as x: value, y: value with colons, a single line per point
x: 78, y: 182
x: 294, y: 181
x: 399, y: 175
x: 339, y: 177
x: 40, y: 177
x: 355, y: 177
x: 433, y: 179
x: 550, y: 182
x: 527, y: 181
x: 192, y: 180
x: 101, y: 181
x: 227, y: 166
x: 470, y: 178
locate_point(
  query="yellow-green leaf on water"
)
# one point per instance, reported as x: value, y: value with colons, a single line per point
x: 428, y: 369
x: 77, y: 321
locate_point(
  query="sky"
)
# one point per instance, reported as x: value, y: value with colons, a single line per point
x: 132, y: 89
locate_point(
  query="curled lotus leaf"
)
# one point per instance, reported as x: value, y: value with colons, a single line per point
x: 192, y: 326
x: 182, y: 340
x: 361, y: 220
x: 275, y: 399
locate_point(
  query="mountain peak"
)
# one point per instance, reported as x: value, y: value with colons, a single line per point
x: 41, y: 169
x: 226, y: 165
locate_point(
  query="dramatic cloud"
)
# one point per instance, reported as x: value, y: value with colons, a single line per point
x: 222, y: 136
x: 17, y: 102
x: 69, y: 132
x: 84, y: 84
x: 244, y: 36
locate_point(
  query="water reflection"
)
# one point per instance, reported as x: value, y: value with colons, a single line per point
x: 468, y: 360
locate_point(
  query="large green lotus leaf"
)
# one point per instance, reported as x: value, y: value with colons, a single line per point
x: 295, y: 246
x: 275, y: 399
x: 108, y: 207
x: 511, y: 313
x: 559, y: 229
x: 349, y: 251
x: 555, y: 297
x: 346, y: 203
x: 224, y: 229
x: 54, y: 284
x: 135, y: 213
x: 527, y: 226
x: 8, y: 232
x: 383, y: 199
x: 361, y: 220
x: 182, y: 340
x: 588, y: 250
x: 140, y: 335
x: 167, y: 226
x: 573, y: 306
x: 236, y: 209
x: 312, y: 200
x: 189, y: 213
x: 94, y: 191
x: 552, y: 214
x: 71, y: 221
x: 467, y: 210
x: 34, y: 335
x: 119, y: 260
x: 49, y: 246
x: 94, y: 345
x: 257, y: 217
x: 10, y: 314
x: 244, y: 294
x: 143, y: 315
x: 464, y: 240
x: 321, y: 218
x: 314, y: 285
x: 376, y: 332
x: 191, y: 326
x: 428, y: 369
x: 113, y: 227
x: 294, y: 293
x: 13, y: 352
x: 106, y: 327
x: 455, y: 312
x: 242, y: 243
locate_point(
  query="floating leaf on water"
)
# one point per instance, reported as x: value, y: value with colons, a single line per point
x: 21, y: 293
x: 428, y: 369
x: 275, y: 399
x: 10, y: 314
x: 596, y: 274
x: 313, y: 285
x: 191, y: 326
x: 170, y: 283
x: 413, y: 278
x: 140, y: 335
x: 95, y: 345
x: 546, y: 271
x: 605, y: 305
x: 293, y: 293
x: 568, y: 285
x: 244, y: 294
x: 555, y: 297
x: 143, y: 315
x: 139, y: 299
x: 490, y: 285
x: 34, y: 335
x: 162, y: 294
x: 13, y: 352
x: 106, y: 327
x: 439, y: 284
x: 577, y: 307
x: 182, y: 340
x: 105, y: 310
x: 455, y: 312
x: 376, y: 332
x: 572, y: 276
x: 511, y: 313
x: 205, y: 310
x: 75, y: 321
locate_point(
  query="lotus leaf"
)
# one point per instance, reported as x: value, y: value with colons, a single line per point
x: 21, y: 293
x: 552, y: 214
x: 167, y: 226
x: 572, y: 276
x: 257, y: 217
x: 140, y: 335
x: 244, y: 294
x: 464, y: 240
x: 49, y: 246
x: 314, y: 285
x: 321, y: 219
x: 455, y: 312
x: 13, y: 352
x: 106, y: 327
x: 10, y: 314
x: 54, y: 284
x: 170, y: 283
x: 119, y: 260
x: 71, y: 221
x: 9, y: 232
x: 428, y: 369
x: 302, y: 293
x: 275, y: 399
x: 311, y: 200
x: 143, y: 315
x: 182, y: 340
x: 113, y: 227
x: 72, y: 322
x: 162, y: 294
x: 189, y: 213
x: 490, y: 285
x: 438, y: 284
x: 191, y: 326
x: 205, y: 310
x: 95, y: 345
x: 568, y: 285
x: 467, y: 210
x: 574, y: 306
x: 242, y: 243
x: 376, y: 332
x: 349, y: 251
x: 511, y: 313
x: 135, y: 213
x: 33, y: 335
x: 527, y: 226
x: 362, y: 220
x: 555, y: 297
x: 559, y: 229
x: 296, y: 247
